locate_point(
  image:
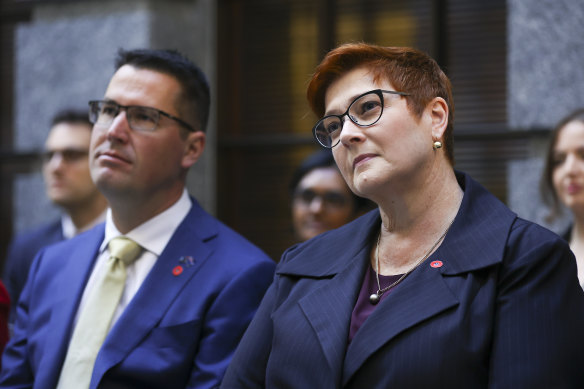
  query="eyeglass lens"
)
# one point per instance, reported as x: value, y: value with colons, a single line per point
x: 67, y: 155
x: 329, y: 198
x: 363, y: 111
x: 139, y: 118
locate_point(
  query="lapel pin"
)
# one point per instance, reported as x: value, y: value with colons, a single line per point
x: 188, y: 261
x: 177, y: 270
x: 436, y: 264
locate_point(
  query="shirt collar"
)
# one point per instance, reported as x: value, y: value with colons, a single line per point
x: 154, y: 234
x: 69, y: 229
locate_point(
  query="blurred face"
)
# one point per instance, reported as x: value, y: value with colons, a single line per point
x: 322, y: 201
x: 568, y: 173
x: 387, y: 155
x: 144, y: 164
x: 66, y: 167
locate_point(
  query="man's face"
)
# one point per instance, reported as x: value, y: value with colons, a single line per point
x: 143, y: 164
x: 66, y: 167
x: 322, y: 201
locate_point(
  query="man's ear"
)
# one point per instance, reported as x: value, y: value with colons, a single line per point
x: 194, y: 146
x: 439, y: 114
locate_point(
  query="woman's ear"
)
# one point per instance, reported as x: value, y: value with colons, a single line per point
x: 194, y: 146
x: 439, y: 114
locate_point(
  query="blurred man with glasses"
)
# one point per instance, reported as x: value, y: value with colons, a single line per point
x: 189, y: 284
x: 69, y: 186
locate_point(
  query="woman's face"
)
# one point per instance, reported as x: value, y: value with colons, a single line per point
x: 322, y: 201
x: 391, y: 155
x: 568, y: 162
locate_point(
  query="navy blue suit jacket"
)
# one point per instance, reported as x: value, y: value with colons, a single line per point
x: 22, y: 252
x: 179, y: 330
x: 503, y: 311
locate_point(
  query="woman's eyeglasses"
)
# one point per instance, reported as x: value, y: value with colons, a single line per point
x: 364, y: 111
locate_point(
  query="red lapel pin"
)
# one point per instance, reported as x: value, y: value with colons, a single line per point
x: 177, y: 270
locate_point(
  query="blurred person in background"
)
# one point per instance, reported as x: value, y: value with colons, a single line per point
x: 562, y: 184
x: 69, y: 186
x: 321, y: 200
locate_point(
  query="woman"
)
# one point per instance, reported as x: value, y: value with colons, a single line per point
x: 321, y: 200
x: 563, y: 180
x: 441, y: 287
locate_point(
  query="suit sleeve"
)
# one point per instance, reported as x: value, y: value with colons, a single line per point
x: 539, y: 320
x: 248, y: 367
x: 226, y: 321
x: 16, y: 369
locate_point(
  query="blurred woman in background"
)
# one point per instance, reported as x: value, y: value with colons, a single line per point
x: 563, y: 180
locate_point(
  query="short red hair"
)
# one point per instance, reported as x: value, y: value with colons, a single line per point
x: 407, y: 69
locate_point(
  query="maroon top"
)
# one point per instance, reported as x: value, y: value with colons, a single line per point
x: 363, y: 308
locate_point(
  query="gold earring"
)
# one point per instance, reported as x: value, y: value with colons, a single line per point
x: 437, y: 145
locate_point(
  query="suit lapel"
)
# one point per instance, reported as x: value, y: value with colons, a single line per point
x: 328, y: 309
x: 157, y: 292
x: 420, y: 296
x: 70, y: 287
x: 476, y: 240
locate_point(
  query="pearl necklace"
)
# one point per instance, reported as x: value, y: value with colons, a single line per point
x: 375, y: 297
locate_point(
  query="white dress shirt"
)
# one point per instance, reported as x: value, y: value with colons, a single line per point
x: 152, y: 235
x: 69, y: 229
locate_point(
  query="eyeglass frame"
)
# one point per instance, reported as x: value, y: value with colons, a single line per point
x: 328, y: 198
x: 378, y: 92
x: 121, y: 107
x: 68, y: 155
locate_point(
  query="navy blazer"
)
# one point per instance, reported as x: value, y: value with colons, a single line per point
x: 503, y: 311
x: 179, y: 330
x: 21, y: 253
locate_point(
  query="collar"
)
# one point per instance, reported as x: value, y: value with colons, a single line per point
x: 69, y: 229
x: 154, y: 234
x: 476, y: 239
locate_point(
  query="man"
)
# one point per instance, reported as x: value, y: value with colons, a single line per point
x: 321, y: 200
x: 69, y: 186
x: 195, y: 284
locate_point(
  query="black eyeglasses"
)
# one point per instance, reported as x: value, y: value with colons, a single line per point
x: 365, y: 110
x: 103, y: 112
x: 67, y: 155
x: 330, y: 199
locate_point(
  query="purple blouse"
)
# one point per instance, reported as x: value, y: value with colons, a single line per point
x: 363, y: 308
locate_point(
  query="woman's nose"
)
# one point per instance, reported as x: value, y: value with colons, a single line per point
x: 351, y: 133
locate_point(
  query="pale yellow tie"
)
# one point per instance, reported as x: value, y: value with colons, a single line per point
x: 96, y: 316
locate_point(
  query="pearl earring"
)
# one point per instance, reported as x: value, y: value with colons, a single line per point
x: 437, y: 145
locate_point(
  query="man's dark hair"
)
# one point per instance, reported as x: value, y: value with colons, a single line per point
x: 195, y: 86
x: 72, y: 116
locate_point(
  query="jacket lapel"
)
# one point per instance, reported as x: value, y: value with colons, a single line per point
x: 420, y: 296
x: 341, y: 268
x: 70, y: 287
x: 476, y: 240
x: 328, y: 309
x: 159, y: 289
